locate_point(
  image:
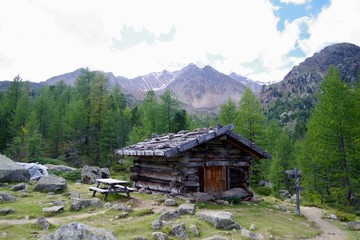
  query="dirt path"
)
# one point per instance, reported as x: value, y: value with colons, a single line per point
x: 330, y: 230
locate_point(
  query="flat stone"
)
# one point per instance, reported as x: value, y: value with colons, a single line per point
x: 169, y: 202
x: 53, y: 209
x: 216, y: 237
x: 251, y: 235
x: 220, y: 219
x: 79, y: 203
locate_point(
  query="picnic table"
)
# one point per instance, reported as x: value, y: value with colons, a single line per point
x: 110, y: 186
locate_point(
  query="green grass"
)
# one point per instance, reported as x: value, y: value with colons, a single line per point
x: 265, y: 215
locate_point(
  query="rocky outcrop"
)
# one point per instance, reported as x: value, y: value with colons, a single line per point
x: 169, y: 215
x: 53, y: 210
x: 10, y: 171
x: 89, y: 174
x: 179, y: 231
x: 51, y: 183
x: 6, y: 211
x: 77, y: 230
x: 220, y: 219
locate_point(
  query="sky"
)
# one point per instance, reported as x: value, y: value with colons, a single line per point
x: 259, y: 39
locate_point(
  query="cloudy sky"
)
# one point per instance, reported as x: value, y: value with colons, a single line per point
x: 260, y: 39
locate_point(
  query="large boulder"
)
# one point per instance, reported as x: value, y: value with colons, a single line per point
x: 354, y: 225
x: 237, y: 193
x: 89, y: 174
x: 219, y: 219
x: 10, y: 171
x: 79, y: 203
x: 77, y: 230
x: 51, y: 183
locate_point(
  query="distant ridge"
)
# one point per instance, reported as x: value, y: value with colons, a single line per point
x: 295, y: 95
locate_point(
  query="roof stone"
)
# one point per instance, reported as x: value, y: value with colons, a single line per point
x: 171, y: 144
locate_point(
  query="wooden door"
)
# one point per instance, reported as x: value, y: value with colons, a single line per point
x: 215, y: 179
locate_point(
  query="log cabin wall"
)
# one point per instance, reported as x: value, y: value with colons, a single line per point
x: 186, y: 172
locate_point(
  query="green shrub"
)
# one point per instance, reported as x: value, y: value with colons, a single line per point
x: 263, y: 190
x: 345, y: 217
x: 234, y: 199
x: 72, y: 176
x: 44, y: 161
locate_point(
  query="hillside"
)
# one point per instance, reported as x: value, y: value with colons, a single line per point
x: 295, y: 95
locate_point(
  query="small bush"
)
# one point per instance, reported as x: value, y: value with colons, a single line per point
x: 345, y: 217
x: 263, y: 190
x: 70, y: 176
x: 234, y: 199
x: 44, y: 161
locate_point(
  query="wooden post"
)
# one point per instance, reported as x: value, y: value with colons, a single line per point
x: 297, y: 189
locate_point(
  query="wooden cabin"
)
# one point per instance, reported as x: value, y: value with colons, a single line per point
x: 204, y: 160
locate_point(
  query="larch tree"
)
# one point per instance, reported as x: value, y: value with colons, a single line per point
x: 227, y: 112
x: 329, y: 158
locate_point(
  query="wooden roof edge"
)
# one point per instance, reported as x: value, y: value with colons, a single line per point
x: 251, y: 145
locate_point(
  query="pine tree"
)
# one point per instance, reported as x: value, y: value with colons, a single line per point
x: 168, y: 107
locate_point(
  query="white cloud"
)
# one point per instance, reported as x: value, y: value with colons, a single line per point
x: 337, y: 23
x: 40, y: 39
x: 297, y: 2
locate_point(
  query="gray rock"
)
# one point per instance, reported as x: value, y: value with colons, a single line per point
x: 202, y: 197
x: 250, y: 235
x: 76, y: 230
x: 354, y: 225
x: 159, y: 236
x: 89, y: 174
x: 10, y: 171
x: 332, y: 216
x: 252, y: 227
x: 122, y: 215
x: 140, y: 238
x: 169, y: 215
x: 74, y: 194
x: 6, y: 211
x: 284, y: 194
x: 186, y: 208
x: 122, y: 207
x: 238, y: 193
x: 53, y: 209
x: 59, y: 203
x: 6, y: 197
x: 179, y: 231
x: 158, y: 224
x: 169, y: 202
x: 51, y: 183
x: 195, y: 230
x: 18, y: 187
x: 42, y: 223
x: 216, y: 237
x: 219, y: 219
x: 59, y: 168
x: 79, y: 203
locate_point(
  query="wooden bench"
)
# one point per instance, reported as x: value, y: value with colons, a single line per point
x: 126, y: 188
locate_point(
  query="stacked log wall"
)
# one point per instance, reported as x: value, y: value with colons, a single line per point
x: 180, y: 174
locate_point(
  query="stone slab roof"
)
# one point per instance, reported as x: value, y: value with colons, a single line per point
x: 172, y: 144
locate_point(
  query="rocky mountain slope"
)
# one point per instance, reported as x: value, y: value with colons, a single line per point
x: 291, y: 99
x: 196, y: 88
